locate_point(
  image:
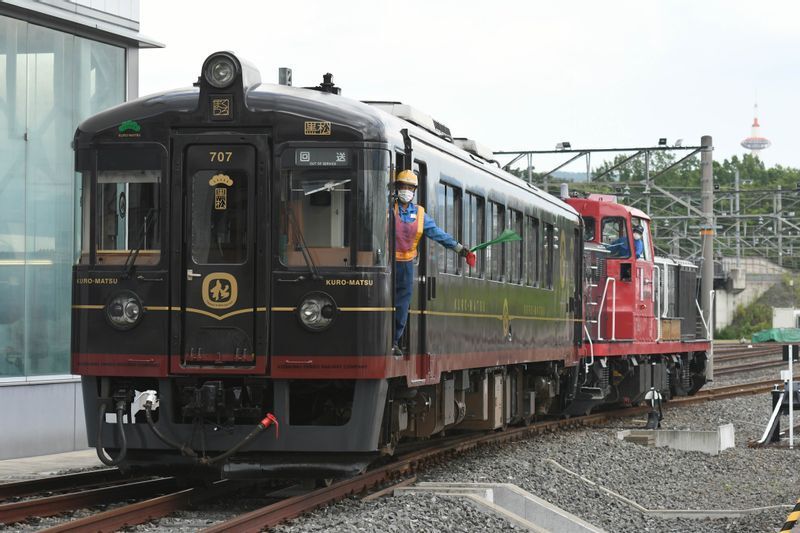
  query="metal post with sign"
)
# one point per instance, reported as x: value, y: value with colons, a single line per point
x: 791, y: 397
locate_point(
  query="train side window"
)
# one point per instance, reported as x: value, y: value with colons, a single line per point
x: 532, y: 250
x: 495, y: 254
x: 127, y: 205
x: 448, y: 218
x: 515, y: 247
x: 476, y: 230
x: 549, y: 244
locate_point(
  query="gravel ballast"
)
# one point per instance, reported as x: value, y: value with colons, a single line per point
x: 656, y: 478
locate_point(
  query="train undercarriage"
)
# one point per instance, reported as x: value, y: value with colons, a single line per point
x: 335, y: 428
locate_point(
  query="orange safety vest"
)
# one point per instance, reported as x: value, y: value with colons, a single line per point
x: 407, y: 234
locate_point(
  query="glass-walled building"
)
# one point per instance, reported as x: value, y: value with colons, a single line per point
x: 60, y: 62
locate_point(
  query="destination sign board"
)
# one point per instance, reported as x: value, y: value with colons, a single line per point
x: 322, y: 157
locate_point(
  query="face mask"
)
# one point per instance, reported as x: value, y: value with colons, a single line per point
x: 637, y: 237
x: 405, y: 195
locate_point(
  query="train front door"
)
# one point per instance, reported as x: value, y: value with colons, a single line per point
x: 222, y: 311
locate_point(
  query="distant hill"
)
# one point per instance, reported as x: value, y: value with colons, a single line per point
x: 569, y: 176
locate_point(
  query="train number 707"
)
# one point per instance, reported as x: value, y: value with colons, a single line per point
x: 220, y: 157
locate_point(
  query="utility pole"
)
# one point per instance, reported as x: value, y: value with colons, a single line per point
x: 737, y: 212
x: 779, y: 224
x: 707, y: 233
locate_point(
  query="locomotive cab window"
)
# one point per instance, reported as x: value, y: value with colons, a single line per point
x: 643, y: 250
x: 615, y: 237
x: 588, y: 229
x: 127, y: 205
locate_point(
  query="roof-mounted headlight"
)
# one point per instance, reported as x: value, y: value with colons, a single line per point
x: 220, y: 70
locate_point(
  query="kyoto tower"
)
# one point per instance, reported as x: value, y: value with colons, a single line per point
x: 755, y: 143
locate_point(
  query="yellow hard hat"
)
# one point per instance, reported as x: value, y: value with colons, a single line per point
x: 408, y: 177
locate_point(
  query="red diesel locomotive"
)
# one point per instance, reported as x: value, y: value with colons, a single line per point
x: 236, y: 273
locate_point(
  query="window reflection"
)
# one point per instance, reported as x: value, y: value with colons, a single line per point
x: 50, y: 81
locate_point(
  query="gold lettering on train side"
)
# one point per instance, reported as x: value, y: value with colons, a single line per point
x: 317, y: 128
x: 220, y: 290
x: 469, y: 305
x: 97, y: 281
x: 533, y: 310
x: 349, y: 282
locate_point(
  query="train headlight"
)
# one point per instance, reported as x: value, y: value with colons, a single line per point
x: 220, y: 71
x: 317, y: 311
x: 124, y: 310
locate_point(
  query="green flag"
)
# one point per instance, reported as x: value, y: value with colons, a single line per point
x: 508, y: 235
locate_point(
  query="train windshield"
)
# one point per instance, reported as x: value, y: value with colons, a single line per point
x: 126, y: 203
x: 333, y: 207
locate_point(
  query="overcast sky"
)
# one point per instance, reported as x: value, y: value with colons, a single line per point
x: 518, y: 75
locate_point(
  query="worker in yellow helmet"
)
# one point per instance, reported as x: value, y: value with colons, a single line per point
x: 410, y: 223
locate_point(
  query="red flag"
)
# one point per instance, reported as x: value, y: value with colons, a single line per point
x: 471, y: 259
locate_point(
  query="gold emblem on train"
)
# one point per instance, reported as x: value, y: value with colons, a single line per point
x: 221, y: 107
x: 317, y: 128
x: 506, y: 318
x: 216, y: 179
x: 220, y: 290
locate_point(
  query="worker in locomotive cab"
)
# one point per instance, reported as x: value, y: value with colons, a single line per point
x: 411, y: 222
x: 638, y: 244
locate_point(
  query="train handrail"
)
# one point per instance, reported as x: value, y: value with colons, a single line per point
x: 657, y: 301
x: 712, y: 294
x: 591, y: 348
x: 613, y: 282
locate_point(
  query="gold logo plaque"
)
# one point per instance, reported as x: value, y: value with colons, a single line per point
x: 317, y: 128
x: 221, y: 107
x: 220, y: 290
x: 220, y: 198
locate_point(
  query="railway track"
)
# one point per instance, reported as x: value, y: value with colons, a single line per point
x: 374, y: 481
x: 747, y: 367
x: 745, y: 353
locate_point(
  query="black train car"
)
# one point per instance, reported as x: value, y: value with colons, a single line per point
x: 236, y: 261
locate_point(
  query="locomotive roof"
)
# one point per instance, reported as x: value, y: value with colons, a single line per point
x: 373, y: 123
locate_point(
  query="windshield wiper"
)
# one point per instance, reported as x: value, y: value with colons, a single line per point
x: 303, y: 246
x: 130, y: 261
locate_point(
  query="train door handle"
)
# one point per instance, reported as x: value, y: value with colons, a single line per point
x: 431, y: 285
x: 191, y: 275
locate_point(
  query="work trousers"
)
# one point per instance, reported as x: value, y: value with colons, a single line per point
x: 403, y: 285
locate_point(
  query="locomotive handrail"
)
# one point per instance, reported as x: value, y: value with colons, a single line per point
x: 591, y: 348
x: 706, y: 325
x: 657, y: 301
x: 613, y: 282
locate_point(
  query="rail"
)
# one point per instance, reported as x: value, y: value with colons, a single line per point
x: 613, y: 283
